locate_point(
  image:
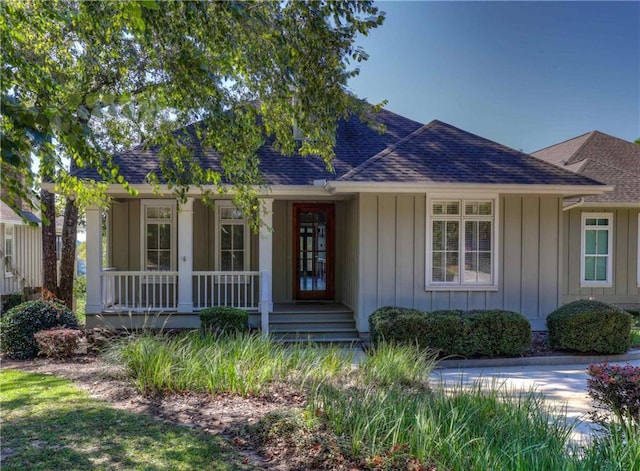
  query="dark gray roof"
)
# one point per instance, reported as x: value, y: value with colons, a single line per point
x: 600, y: 156
x: 355, y: 143
x: 9, y: 216
x: 441, y: 153
x: 405, y: 152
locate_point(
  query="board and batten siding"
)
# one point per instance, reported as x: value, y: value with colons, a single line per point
x: 124, y: 247
x: 27, y: 259
x: 392, y: 252
x: 625, y: 257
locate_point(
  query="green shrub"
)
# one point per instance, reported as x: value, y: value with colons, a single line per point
x: 468, y: 334
x: 224, y: 319
x: 19, y: 325
x: 9, y: 301
x: 590, y: 327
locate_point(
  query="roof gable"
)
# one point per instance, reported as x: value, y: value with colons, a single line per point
x: 602, y: 157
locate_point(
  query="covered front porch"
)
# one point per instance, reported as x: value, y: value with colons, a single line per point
x: 150, y: 263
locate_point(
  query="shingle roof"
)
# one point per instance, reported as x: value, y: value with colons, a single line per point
x: 439, y: 152
x: 405, y: 152
x: 355, y: 143
x: 600, y: 156
x: 9, y: 216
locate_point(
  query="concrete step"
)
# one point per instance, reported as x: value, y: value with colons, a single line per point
x: 314, y: 335
x: 311, y: 324
x: 347, y: 342
x: 311, y: 316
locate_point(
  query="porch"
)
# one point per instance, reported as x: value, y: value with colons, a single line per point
x: 152, y: 263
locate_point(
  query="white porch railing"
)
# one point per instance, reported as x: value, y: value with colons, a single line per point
x: 226, y: 288
x: 158, y: 291
x: 139, y: 290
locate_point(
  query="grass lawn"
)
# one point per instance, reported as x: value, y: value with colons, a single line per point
x: 47, y: 423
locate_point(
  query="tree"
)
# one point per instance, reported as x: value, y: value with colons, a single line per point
x: 82, y: 80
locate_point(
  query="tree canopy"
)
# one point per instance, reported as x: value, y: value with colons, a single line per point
x: 82, y: 80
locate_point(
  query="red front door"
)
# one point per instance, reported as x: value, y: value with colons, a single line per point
x: 313, y: 235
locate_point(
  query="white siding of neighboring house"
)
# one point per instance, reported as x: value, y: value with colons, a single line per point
x: 27, y: 259
x: 391, y: 258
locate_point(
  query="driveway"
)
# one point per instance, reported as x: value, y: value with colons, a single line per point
x: 562, y: 386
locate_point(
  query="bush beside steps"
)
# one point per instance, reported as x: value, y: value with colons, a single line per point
x: 470, y: 334
x: 589, y: 326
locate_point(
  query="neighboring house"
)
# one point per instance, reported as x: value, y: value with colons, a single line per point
x: 425, y: 216
x: 601, y: 233
x: 20, y: 250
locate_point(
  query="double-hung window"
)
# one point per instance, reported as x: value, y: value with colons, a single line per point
x: 8, y: 250
x: 596, y: 257
x: 159, y: 230
x: 233, y: 238
x: 461, y: 243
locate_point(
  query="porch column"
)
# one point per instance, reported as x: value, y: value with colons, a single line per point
x: 266, y: 264
x: 94, y: 261
x: 185, y: 257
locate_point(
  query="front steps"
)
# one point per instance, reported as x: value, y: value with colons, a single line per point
x: 313, y: 322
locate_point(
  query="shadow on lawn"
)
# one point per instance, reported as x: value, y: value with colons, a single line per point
x: 79, y: 433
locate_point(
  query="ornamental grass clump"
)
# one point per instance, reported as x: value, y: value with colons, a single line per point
x: 242, y: 363
x: 19, y: 325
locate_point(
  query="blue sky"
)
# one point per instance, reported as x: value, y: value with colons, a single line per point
x: 525, y: 74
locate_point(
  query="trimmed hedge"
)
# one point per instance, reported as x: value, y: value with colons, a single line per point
x: 224, y: 319
x: 589, y: 326
x: 490, y: 333
x: 19, y: 325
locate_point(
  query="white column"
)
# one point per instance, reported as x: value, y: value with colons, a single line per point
x: 94, y: 261
x: 185, y: 257
x: 266, y: 264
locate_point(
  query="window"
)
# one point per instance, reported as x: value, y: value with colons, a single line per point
x: 595, y: 263
x: 233, y: 238
x: 158, y: 239
x: 461, y: 238
x: 8, y: 250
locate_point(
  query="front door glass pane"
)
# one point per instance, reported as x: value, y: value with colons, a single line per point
x: 312, y: 255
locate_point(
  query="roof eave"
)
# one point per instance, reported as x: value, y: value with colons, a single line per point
x: 339, y: 187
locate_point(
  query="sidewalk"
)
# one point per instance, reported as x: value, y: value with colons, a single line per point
x: 561, y: 385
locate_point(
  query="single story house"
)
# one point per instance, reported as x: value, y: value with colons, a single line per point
x: 20, y: 250
x: 601, y: 233
x: 422, y: 215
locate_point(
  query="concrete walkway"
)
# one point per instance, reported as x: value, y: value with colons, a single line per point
x: 562, y: 386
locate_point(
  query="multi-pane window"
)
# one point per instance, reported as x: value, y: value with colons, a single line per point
x: 462, y: 242
x: 233, y: 241
x: 159, y: 230
x: 596, y: 249
x: 8, y: 250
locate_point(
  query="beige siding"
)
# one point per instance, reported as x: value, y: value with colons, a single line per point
x: 391, y: 268
x: 125, y: 243
x: 625, y: 257
x: 346, y: 259
x: 27, y: 259
x: 282, y: 248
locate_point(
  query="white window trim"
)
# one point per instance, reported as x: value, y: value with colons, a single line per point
x: 9, y: 273
x: 596, y: 284
x: 144, y: 204
x: 247, y: 238
x: 431, y: 285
